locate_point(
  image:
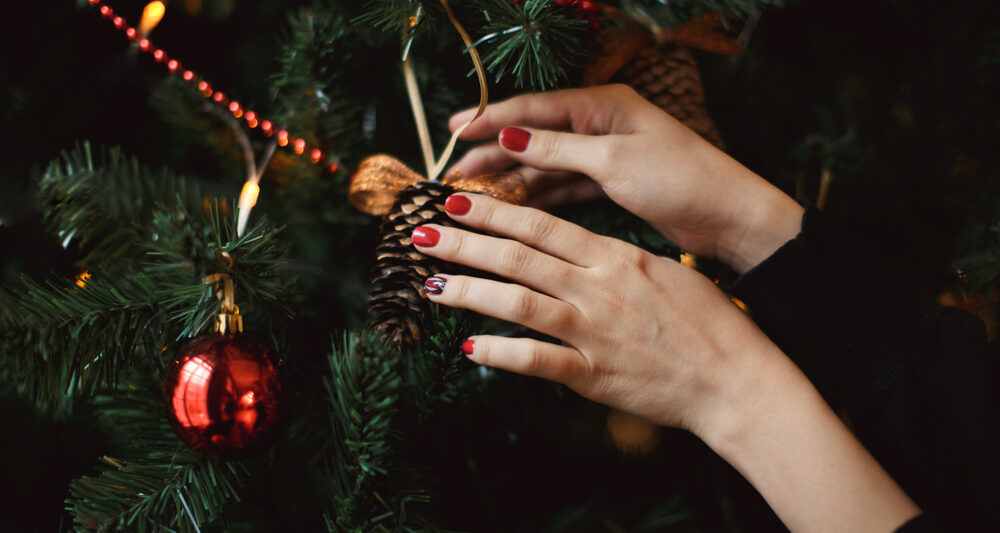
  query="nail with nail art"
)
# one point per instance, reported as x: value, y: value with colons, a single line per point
x: 434, y: 284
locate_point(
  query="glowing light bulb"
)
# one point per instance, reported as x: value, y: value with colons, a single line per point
x: 152, y: 14
x: 118, y: 22
x: 249, y: 194
x: 173, y: 65
x: 282, y: 138
x: 316, y: 155
x: 188, y: 75
x: 248, y: 199
x: 300, y: 146
x: 267, y: 127
x: 159, y: 54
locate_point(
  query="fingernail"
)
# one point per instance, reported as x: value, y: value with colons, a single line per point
x: 434, y: 284
x: 424, y: 236
x: 514, y: 139
x: 457, y: 205
x: 467, y: 346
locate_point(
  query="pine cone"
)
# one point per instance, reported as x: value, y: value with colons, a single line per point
x: 397, y: 295
x: 668, y: 76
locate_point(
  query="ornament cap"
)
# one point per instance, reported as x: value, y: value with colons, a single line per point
x: 231, y: 322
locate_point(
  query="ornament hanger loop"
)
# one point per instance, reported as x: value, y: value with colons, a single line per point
x: 230, y: 320
x: 434, y: 168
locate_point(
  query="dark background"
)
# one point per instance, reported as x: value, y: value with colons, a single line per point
x: 897, y: 98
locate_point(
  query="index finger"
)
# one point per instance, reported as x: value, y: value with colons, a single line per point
x: 537, y: 229
x: 589, y: 111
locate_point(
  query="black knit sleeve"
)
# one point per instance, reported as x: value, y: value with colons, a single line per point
x: 923, y: 523
x: 916, y: 380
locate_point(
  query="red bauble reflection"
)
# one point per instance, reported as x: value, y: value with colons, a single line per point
x: 224, y: 396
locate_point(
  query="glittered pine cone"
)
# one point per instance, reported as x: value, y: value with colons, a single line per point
x: 668, y: 76
x: 397, y: 296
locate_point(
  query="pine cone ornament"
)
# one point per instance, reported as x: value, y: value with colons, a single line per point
x: 397, y: 297
x: 661, y: 68
x: 668, y: 76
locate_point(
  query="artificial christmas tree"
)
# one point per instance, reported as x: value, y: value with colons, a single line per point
x: 405, y: 434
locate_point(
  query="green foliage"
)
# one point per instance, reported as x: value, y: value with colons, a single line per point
x: 157, y: 483
x: 61, y: 340
x: 106, y: 207
x: 363, y: 390
x: 380, y: 402
x: 533, y: 41
x: 146, y: 284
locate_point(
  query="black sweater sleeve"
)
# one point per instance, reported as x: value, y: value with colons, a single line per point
x: 916, y: 380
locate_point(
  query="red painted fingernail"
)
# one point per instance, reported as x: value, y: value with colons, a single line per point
x: 424, y: 236
x: 514, y: 139
x: 457, y: 205
x: 467, y: 346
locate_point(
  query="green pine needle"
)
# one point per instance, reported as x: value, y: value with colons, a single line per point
x: 157, y: 482
x: 534, y: 42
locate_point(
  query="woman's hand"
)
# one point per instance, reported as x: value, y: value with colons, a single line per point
x: 643, y: 159
x: 640, y: 333
x: 651, y: 337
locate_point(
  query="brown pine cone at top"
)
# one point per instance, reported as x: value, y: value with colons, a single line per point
x: 397, y: 296
x: 668, y: 76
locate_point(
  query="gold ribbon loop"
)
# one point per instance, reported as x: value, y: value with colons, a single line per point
x: 380, y: 178
x: 230, y: 320
x: 377, y: 182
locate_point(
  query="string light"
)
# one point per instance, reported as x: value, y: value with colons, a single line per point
x: 152, y: 14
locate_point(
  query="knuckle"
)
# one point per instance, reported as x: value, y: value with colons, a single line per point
x: 461, y: 290
x: 514, y: 258
x: 524, y: 305
x: 540, y: 225
x: 564, y: 319
x: 631, y: 258
x: 612, y: 152
x: 458, y: 243
x: 533, y: 360
x: 621, y: 90
x: 551, y: 145
x: 485, y: 211
x: 483, y: 356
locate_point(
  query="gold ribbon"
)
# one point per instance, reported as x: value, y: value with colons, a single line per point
x: 229, y: 320
x: 380, y: 178
x: 435, y: 166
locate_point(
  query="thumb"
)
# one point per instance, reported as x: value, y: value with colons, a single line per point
x: 551, y: 150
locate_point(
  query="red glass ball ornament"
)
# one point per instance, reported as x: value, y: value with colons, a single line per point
x: 224, y: 396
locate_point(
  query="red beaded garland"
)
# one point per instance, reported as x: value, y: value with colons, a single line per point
x: 146, y: 45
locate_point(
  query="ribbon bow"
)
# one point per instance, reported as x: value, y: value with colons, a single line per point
x: 380, y: 178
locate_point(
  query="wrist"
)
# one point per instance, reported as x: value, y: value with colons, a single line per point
x: 761, y: 224
x: 763, y: 379
x: 788, y: 443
